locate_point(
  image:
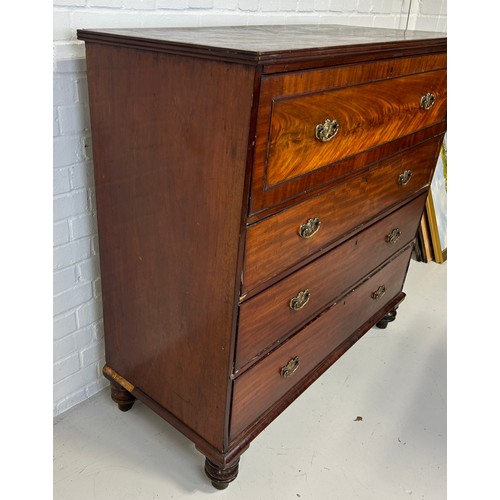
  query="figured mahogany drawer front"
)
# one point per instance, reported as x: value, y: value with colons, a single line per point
x: 375, y: 105
x: 258, y: 388
x: 268, y: 317
x: 274, y: 244
x: 311, y: 131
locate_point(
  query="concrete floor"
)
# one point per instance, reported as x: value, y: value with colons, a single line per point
x: 395, y: 379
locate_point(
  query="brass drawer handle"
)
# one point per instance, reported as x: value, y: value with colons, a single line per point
x: 327, y: 130
x: 405, y: 177
x: 393, y: 236
x: 310, y: 228
x: 379, y: 292
x: 300, y: 300
x: 290, y: 368
x: 427, y: 101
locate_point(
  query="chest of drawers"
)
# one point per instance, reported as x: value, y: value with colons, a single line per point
x: 258, y: 192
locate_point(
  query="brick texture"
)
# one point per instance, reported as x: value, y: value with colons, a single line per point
x: 78, y: 340
x: 78, y: 326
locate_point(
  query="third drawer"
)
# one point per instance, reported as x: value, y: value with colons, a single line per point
x: 267, y: 318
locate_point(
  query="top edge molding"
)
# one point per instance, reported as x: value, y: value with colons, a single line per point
x: 272, y: 45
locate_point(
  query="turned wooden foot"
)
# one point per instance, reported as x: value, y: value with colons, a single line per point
x: 121, y: 397
x: 390, y: 316
x: 221, y: 476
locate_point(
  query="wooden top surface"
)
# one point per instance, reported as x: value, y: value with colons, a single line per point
x: 269, y: 44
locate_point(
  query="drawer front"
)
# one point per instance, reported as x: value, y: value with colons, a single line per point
x: 361, y: 117
x: 283, y: 308
x: 260, y: 387
x: 372, y: 103
x: 274, y: 244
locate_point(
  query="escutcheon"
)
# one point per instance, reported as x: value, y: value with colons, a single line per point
x: 300, y: 300
x: 310, y: 228
x: 427, y: 101
x: 379, y: 292
x: 405, y: 177
x: 327, y: 130
x: 290, y: 368
x: 393, y: 236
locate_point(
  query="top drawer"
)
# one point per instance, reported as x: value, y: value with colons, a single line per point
x: 374, y: 110
x: 309, y: 132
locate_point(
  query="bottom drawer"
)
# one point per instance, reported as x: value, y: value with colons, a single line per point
x: 259, y: 388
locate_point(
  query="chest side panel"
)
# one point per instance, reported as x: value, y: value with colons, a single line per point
x: 170, y: 147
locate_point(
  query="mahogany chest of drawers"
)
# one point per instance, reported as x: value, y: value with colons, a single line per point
x: 258, y: 192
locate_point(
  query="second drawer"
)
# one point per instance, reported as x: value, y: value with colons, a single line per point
x: 284, y: 240
x: 268, y: 317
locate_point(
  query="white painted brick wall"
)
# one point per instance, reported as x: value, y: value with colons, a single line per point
x: 78, y: 326
x: 78, y: 334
